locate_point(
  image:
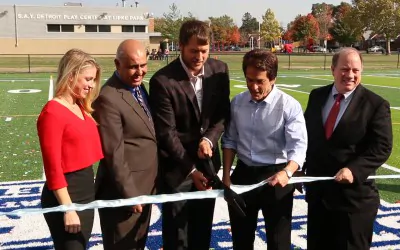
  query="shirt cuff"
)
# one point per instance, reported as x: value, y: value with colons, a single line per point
x: 209, y: 141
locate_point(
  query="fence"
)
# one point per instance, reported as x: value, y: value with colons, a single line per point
x: 35, y: 63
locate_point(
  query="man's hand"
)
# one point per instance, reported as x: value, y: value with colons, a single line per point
x: 280, y: 179
x: 137, y: 209
x: 200, y: 182
x: 344, y: 176
x: 204, y: 150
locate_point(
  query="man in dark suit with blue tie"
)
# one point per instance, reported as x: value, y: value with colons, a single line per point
x: 189, y: 99
x: 350, y: 137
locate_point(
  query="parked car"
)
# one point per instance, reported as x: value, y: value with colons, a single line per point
x: 375, y: 49
x: 317, y: 48
x: 334, y: 48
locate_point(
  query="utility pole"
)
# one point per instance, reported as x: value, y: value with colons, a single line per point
x: 259, y: 35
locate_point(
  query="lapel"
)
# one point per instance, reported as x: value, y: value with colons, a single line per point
x: 184, y: 83
x: 127, y: 96
x: 207, y: 90
x: 351, y: 108
x: 322, y: 98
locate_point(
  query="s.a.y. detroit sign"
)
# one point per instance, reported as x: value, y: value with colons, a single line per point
x: 31, y: 232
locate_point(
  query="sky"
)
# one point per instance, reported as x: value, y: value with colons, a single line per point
x: 285, y: 10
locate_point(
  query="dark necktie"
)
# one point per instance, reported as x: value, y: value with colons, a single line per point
x: 141, y: 102
x: 331, y: 120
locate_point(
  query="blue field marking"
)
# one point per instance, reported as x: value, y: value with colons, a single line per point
x: 31, y: 232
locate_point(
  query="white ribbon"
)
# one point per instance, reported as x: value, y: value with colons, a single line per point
x: 161, y: 198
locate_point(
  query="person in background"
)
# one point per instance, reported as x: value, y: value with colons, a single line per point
x: 268, y: 134
x: 350, y: 131
x: 70, y: 145
x: 130, y: 164
x: 190, y: 101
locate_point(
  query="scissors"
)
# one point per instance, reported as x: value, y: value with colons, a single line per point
x: 231, y: 197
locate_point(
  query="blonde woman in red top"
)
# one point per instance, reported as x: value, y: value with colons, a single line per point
x: 70, y: 145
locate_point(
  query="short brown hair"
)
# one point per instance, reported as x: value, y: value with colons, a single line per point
x: 262, y: 60
x: 345, y: 50
x: 194, y: 28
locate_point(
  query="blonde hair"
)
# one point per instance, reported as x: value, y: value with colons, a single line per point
x: 70, y: 66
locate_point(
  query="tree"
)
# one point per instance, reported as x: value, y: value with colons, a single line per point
x: 380, y: 16
x: 170, y: 24
x: 270, y: 28
x: 235, y: 35
x: 323, y: 13
x: 346, y: 29
x: 305, y: 28
x: 249, y: 26
x: 221, y: 28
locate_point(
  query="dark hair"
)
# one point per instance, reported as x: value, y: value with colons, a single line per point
x: 346, y: 50
x: 262, y: 60
x: 194, y: 28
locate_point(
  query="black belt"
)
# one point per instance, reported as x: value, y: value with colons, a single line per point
x: 273, y: 168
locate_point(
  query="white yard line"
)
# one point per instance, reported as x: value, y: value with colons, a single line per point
x: 366, y: 84
x: 394, y: 169
x: 293, y: 90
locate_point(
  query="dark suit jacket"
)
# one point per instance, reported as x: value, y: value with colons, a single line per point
x: 130, y: 163
x: 178, y: 122
x: 362, y: 141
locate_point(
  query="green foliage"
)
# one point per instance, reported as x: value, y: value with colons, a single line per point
x: 380, y: 16
x: 346, y: 29
x: 170, y: 23
x: 249, y: 25
x: 270, y: 28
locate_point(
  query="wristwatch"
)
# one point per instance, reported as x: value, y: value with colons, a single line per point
x: 288, y: 173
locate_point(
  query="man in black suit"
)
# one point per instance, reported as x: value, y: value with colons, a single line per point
x: 350, y: 137
x: 190, y: 101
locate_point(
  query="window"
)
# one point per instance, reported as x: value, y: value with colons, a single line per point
x: 140, y: 28
x: 127, y: 28
x: 67, y: 28
x: 53, y: 28
x: 90, y: 28
x: 104, y: 28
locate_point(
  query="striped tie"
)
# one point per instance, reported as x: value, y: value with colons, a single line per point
x: 139, y: 98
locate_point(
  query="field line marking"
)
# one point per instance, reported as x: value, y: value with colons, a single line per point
x: 5, y: 116
x: 293, y: 90
x: 394, y: 169
x: 383, y: 76
x: 366, y: 84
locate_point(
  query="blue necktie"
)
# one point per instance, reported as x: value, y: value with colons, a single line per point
x: 141, y: 102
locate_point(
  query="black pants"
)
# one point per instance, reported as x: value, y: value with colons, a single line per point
x: 81, y: 190
x: 333, y: 230
x: 187, y: 224
x: 276, y: 204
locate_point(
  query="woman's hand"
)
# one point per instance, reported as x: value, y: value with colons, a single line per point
x: 71, y: 222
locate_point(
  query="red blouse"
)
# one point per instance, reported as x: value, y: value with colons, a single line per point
x: 67, y: 142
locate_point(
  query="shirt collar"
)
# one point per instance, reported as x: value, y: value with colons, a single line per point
x: 346, y: 95
x: 190, y: 75
x: 126, y: 85
x: 270, y: 96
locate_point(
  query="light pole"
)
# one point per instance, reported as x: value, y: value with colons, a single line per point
x: 259, y: 35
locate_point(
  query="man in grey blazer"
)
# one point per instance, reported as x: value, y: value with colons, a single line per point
x: 129, y: 166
